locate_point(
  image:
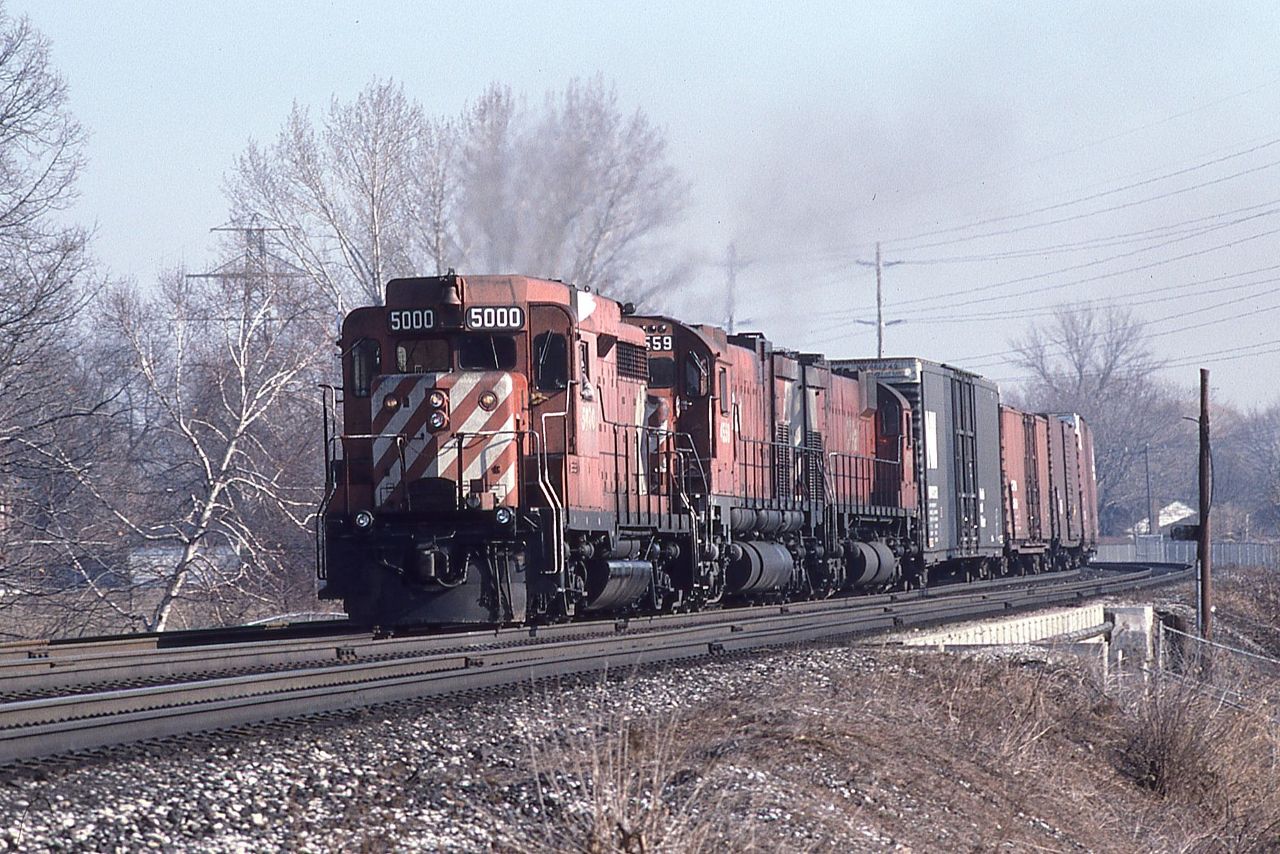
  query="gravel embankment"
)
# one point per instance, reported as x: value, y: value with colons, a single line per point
x: 413, y: 777
x: 816, y: 750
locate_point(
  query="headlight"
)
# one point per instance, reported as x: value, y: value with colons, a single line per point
x: 488, y: 401
x: 391, y: 402
x: 364, y: 519
x: 473, y: 501
x: 503, y: 515
x: 437, y: 420
x: 437, y: 399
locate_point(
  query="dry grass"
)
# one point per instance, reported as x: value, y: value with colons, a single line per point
x: 82, y: 612
x: 1247, y: 601
x: 627, y: 786
x: 1214, y: 759
x: 926, y: 751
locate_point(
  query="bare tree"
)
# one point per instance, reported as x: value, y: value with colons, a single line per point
x: 1097, y: 362
x: 433, y: 202
x: 576, y: 190
x: 43, y: 264
x: 338, y: 194
x: 53, y: 410
x: 1246, y: 471
x: 224, y: 477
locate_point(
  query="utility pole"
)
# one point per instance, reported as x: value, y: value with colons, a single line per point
x: 879, y: 305
x: 880, y: 323
x: 1206, y: 498
x: 1153, y: 515
x: 731, y: 266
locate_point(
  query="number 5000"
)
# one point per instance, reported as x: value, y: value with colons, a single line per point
x: 495, y: 317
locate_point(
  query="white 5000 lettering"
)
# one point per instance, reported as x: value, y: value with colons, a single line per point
x: 411, y: 320
x: 495, y: 317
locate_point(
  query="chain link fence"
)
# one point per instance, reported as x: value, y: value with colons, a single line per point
x: 1158, y: 549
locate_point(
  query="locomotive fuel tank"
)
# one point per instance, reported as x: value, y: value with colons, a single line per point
x: 616, y: 584
x: 869, y: 564
x: 758, y: 567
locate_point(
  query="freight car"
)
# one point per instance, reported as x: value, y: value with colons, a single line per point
x: 513, y: 449
x: 1049, y: 490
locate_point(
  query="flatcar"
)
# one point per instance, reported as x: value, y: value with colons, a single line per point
x: 505, y: 449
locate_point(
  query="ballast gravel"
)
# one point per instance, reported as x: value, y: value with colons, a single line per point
x: 448, y: 776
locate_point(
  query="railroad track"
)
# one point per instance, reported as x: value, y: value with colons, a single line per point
x: 135, y: 661
x: 78, y: 701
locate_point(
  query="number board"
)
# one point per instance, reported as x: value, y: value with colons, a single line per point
x: 661, y: 342
x: 495, y: 317
x: 411, y: 319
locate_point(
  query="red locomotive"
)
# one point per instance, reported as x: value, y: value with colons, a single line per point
x: 514, y: 449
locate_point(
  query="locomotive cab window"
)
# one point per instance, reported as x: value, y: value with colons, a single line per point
x: 422, y: 356
x: 890, y: 419
x: 662, y: 372
x: 695, y: 375
x: 366, y: 361
x: 550, y: 362
x: 486, y: 352
x: 724, y: 391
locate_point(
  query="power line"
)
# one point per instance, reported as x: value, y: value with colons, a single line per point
x: 1208, y: 357
x: 1183, y: 228
x: 1097, y: 141
x: 1062, y: 345
x: 1090, y: 279
x: 1085, y: 215
x: 962, y: 303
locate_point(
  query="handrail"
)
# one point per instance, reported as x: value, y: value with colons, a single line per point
x: 369, y: 437
x: 557, y: 508
x: 488, y: 434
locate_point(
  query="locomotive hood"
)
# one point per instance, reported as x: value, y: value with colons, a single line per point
x: 447, y: 440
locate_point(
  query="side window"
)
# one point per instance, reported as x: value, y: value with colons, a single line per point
x: 695, y: 375
x: 550, y: 362
x: 724, y: 391
x: 366, y: 361
x: 890, y: 418
x: 584, y: 366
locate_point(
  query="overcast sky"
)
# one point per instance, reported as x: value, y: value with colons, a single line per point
x: 1012, y: 156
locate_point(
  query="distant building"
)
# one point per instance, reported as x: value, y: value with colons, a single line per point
x: 1169, y: 515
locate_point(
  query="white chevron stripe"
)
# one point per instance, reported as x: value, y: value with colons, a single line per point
x: 417, y: 395
x: 445, y: 461
x: 490, y: 452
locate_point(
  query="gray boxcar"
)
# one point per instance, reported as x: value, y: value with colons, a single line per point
x: 957, y: 426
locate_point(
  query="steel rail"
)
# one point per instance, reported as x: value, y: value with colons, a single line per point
x: 143, y: 642
x: 37, y: 728
x: 131, y: 664
x: 106, y: 644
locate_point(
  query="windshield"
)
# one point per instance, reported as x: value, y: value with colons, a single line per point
x: 662, y: 372
x: 486, y: 352
x: 422, y: 356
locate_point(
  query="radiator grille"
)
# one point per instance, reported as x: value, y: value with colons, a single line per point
x: 633, y: 361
